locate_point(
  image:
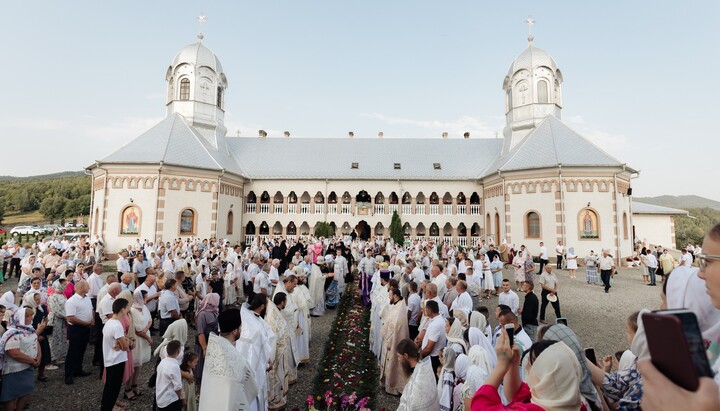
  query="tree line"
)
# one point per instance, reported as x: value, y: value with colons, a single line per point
x: 56, y: 198
x: 693, y: 229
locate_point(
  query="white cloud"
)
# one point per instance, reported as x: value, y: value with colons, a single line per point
x: 455, y: 128
x: 120, y: 131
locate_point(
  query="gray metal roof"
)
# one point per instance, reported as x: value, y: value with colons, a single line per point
x: 311, y: 158
x: 552, y: 143
x: 644, y: 208
x: 532, y: 57
x: 172, y: 141
x: 198, y: 55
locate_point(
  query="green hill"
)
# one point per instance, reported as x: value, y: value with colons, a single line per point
x: 61, y: 174
x: 683, y: 202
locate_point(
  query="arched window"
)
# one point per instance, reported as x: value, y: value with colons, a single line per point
x: 251, y: 198
x: 434, y: 199
x: 434, y: 230
x: 265, y: 197
x: 379, y: 198
x: 407, y: 229
x: 292, y: 197
x: 589, y: 224
x: 406, y: 198
x: 278, y: 198
x: 379, y: 229
x: 185, y: 89
x: 219, y: 97
x: 474, y: 198
x: 625, y: 226
x: 393, y: 198
x: 319, y: 198
x: 346, y: 199
x: 230, y: 220
x: 462, y: 230
x: 291, y: 229
x: 332, y: 198
x: 264, y: 228
x: 542, y: 90
x: 532, y: 225
x: 250, y: 228
x: 187, y: 221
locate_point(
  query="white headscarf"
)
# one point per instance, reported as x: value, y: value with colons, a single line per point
x: 478, y: 339
x: 8, y: 301
x: 478, y: 320
x: 639, y: 345
x: 461, y: 365
x: 554, y: 379
x: 686, y: 290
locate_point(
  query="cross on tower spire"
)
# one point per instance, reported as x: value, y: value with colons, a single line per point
x: 201, y: 22
x: 530, y: 22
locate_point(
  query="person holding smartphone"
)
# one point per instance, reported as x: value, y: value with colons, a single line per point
x: 659, y: 392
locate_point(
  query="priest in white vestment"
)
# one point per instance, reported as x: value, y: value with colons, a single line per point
x: 340, y: 268
x: 394, y: 329
x: 228, y: 380
x: 257, y: 343
x: 303, y: 301
x: 379, y: 299
x: 420, y: 393
x: 317, y: 289
x: 291, y: 314
x: 278, y: 376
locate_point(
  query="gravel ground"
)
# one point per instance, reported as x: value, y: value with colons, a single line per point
x: 598, y: 318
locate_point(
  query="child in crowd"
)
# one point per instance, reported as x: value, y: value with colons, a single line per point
x: 188, y: 381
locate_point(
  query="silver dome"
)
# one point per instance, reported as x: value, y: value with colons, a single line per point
x: 532, y: 57
x: 198, y: 55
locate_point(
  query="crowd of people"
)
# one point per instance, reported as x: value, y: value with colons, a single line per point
x: 442, y: 340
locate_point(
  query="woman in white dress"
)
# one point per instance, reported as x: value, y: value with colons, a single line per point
x: 488, y: 283
x: 571, y: 261
x: 230, y: 295
x: 141, y: 322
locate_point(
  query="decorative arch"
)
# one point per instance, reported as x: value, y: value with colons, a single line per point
x: 379, y: 198
x: 462, y: 230
x: 291, y: 229
x: 461, y: 198
x: 447, y: 229
x: 184, y: 89
x: 588, y: 224
x: 305, y: 198
x: 420, y: 198
x: 277, y: 228
x: 251, y: 198
x: 346, y: 229
x: 278, y: 198
x: 332, y: 198
x: 488, y: 223
x: 304, y: 228
x: 447, y: 198
x: 363, y: 197
x: 346, y: 198
x: 230, y: 223
x: 497, y: 228
x: 434, y: 230
x: 475, y: 198
x: 407, y: 229
x: 264, y: 197
x: 393, y: 199
x: 533, y: 224
x: 319, y: 198
x: 420, y: 230
x: 406, y: 198
x: 250, y: 228
x: 379, y: 229
x: 130, y: 219
x: 475, y: 230
x: 188, y: 221
x: 434, y: 199
x: 264, y: 228
x: 292, y: 198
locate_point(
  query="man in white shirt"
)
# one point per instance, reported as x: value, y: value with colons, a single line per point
x: 168, y: 305
x: 413, y: 307
x: 151, y: 292
x: 685, y: 259
x: 521, y: 337
x: 607, y: 269
x: 509, y: 297
x: 123, y: 266
x: 543, y: 256
x: 273, y: 276
x: 652, y: 265
x: 79, y: 315
x: 559, y: 253
x: 105, y: 305
x: 463, y: 302
x: 461, y: 264
x: 418, y: 274
x: 139, y: 269
x: 252, y: 271
x: 168, y: 384
x: 261, y: 284
x: 439, y: 280
x: 435, y: 337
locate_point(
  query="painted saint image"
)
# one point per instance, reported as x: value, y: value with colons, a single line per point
x: 588, y: 225
x: 130, y: 220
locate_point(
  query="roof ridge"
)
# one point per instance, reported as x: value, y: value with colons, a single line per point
x: 198, y: 139
x: 167, y: 142
x: 552, y: 139
x: 590, y: 142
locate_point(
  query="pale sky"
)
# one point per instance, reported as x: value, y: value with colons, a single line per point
x: 82, y: 78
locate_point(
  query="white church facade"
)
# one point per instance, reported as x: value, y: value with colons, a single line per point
x: 541, y: 182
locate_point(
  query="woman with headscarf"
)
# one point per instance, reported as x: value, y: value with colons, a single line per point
x: 496, y: 267
x: 56, y: 319
x: 553, y: 382
x: 478, y: 369
x: 446, y: 380
x: 461, y: 366
x: 206, y: 322
x: 32, y: 301
x: 461, y: 316
x: 623, y: 389
x: 487, y: 275
x: 561, y: 332
x: 571, y: 261
x: 141, y: 323
x: 178, y: 330
x: 19, y: 353
x: 455, y: 340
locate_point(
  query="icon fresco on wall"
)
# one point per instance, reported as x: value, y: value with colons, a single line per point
x: 130, y: 220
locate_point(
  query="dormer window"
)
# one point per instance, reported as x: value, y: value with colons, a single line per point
x: 219, y: 97
x: 436, y: 166
x: 185, y: 89
x: 355, y: 166
x: 396, y: 166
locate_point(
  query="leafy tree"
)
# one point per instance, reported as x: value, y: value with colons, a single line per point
x: 396, y: 229
x: 53, y: 207
x: 324, y: 229
x: 693, y: 229
x: 26, y: 201
x: 2, y: 212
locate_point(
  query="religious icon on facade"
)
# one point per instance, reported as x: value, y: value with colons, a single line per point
x: 130, y: 222
x: 588, y: 224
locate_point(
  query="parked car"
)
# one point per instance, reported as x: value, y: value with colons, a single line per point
x: 77, y: 236
x: 27, y: 230
x: 52, y: 228
x: 70, y: 224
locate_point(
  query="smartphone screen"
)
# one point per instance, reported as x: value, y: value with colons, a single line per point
x: 695, y: 341
x: 590, y: 355
x: 510, y: 329
x: 562, y: 321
